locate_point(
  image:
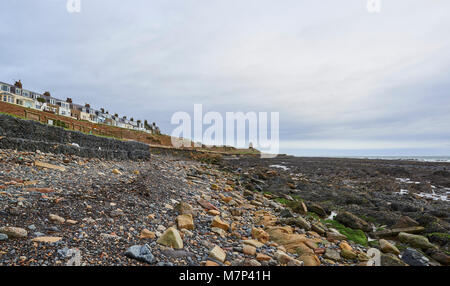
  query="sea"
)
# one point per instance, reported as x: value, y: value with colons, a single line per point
x: 406, y: 158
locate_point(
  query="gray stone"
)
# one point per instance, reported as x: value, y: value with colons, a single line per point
x: 141, y: 253
x: 3, y: 237
x: 390, y: 259
x: 414, y: 258
x: 332, y: 254
x: 416, y: 241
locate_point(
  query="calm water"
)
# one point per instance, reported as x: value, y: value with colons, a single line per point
x: 407, y: 158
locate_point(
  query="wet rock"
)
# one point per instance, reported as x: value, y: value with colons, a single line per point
x: 332, y: 254
x: 286, y: 213
x: 3, y: 237
x: 350, y: 220
x: 414, y: 258
x: 388, y: 247
x: 316, y: 208
x: 318, y: 228
x: 390, y: 259
x: 396, y: 231
x: 348, y: 254
x: 404, y: 222
x: 441, y: 257
x: 416, y: 241
x: 331, y: 235
x: 298, y: 221
x: 141, y: 253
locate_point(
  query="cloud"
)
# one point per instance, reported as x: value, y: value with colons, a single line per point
x: 334, y: 72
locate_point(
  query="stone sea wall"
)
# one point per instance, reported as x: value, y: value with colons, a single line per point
x: 30, y: 135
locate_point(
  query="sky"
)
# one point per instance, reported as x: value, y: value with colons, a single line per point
x: 345, y: 82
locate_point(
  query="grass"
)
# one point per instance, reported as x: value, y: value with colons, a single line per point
x: 355, y: 235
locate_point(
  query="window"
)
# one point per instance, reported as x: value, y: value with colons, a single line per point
x: 17, y: 90
x: 5, y: 88
x: 5, y: 98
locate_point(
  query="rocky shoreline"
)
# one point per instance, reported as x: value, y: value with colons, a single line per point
x: 61, y: 209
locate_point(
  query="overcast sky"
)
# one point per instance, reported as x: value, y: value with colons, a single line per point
x: 345, y: 81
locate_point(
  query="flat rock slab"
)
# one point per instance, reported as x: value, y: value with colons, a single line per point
x: 396, y: 231
x: 49, y: 166
x: 47, y: 239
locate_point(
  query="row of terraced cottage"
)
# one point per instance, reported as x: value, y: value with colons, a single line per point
x: 15, y: 94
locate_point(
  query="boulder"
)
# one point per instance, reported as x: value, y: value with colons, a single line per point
x: 309, y: 260
x: 298, y: 221
x: 141, y: 253
x: 171, y: 237
x: 217, y: 222
x: 348, y: 254
x: 350, y: 220
x: 56, y: 218
x: 184, y: 209
x: 404, y: 222
x: 390, y: 259
x: 416, y: 241
x: 331, y: 235
x: 414, y: 258
x: 248, y: 249
x: 316, y: 208
x: 388, y: 247
x: 253, y: 242
x: 147, y: 234
x: 262, y: 257
x: 332, y: 254
x: 441, y: 257
x: 218, y: 254
x: 344, y: 245
x: 260, y: 235
x: 14, y: 232
x: 396, y: 231
x: 185, y: 221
